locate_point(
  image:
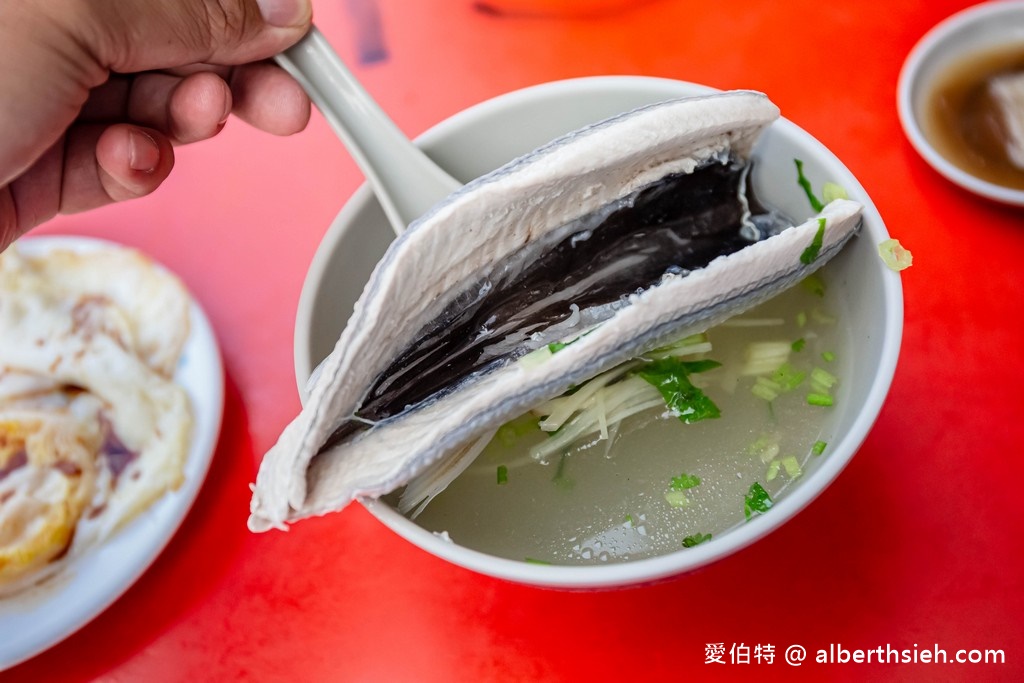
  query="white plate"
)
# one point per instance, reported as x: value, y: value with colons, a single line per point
x: 37, y: 619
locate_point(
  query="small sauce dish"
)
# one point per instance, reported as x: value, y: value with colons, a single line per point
x: 944, y: 105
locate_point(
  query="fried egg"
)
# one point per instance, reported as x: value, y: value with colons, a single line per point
x: 93, y: 428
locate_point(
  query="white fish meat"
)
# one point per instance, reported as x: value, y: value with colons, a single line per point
x: 620, y: 237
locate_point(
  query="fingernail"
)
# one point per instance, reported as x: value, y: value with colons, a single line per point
x: 284, y: 13
x: 143, y: 152
x: 226, y: 114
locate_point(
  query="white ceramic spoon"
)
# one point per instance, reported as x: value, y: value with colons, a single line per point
x: 405, y: 180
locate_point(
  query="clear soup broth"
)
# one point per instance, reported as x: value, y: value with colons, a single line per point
x: 657, y: 485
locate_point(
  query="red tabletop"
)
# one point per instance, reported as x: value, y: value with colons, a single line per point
x: 918, y: 544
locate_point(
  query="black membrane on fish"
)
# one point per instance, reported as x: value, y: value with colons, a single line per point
x: 675, y: 225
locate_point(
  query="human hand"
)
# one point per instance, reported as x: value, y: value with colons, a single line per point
x: 94, y: 94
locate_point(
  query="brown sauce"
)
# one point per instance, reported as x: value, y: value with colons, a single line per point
x: 964, y: 122
x: 117, y: 455
x: 19, y: 459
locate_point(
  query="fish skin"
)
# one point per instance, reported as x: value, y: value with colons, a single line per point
x: 386, y: 457
x: 575, y: 174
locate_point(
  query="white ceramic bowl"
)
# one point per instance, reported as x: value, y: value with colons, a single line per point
x: 977, y: 29
x: 485, y: 136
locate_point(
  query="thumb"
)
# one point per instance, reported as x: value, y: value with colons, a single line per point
x: 140, y: 35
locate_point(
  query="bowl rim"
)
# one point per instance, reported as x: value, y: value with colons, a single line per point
x: 660, y: 567
x: 909, y: 81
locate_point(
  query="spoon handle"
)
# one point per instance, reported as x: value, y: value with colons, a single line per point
x: 405, y: 180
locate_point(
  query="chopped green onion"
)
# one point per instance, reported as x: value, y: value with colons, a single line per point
x: 831, y: 192
x: 765, y: 447
x: 687, y: 402
x: 818, y: 448
x: 535, y: 357
x: 696, y: 539
x: 784, y: 378
x: 765, y: 389
x: 561, y: 480
x: 629, y: 520
x: 792, y: 467
x: 815, y: 285
x: 684, y: 481
x: 814, y: 248
x: 756, y: 500
x: 555, y: 347
x: 788, y: 377
x: 502, y: 475
x: 828, y: 356
x: 798, y: 345
x: 815, y: 399
x: 822, y: 381
x: 510, y: 432
x: 894, y: 255
x: 677, y: 499
x: 801, y: 319
x: 532, y: 560
x: 694, y: 367
x: 773, y: 470
x: 806, y: 184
